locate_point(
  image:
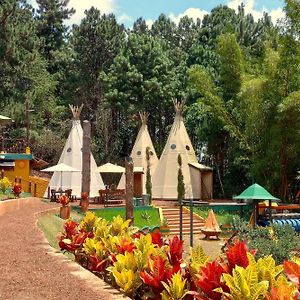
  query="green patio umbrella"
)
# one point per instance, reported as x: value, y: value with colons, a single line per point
x: 257, y: 193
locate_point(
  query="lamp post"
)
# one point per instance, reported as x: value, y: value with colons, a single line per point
x: 25, y: 84
x: 27, y: 111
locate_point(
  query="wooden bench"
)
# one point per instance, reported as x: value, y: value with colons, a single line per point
x: 111, y: 198
x: 286, y: 216
x: 289, y: 211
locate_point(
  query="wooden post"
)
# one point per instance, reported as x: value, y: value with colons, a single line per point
x: 35, y: 190
x: 86, y: 158
x: 270, y: 212
x: 180, y: 218
x: 191, y: 222
x: 129, y: 188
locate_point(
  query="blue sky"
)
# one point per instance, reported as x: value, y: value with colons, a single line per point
x: 129, y: 10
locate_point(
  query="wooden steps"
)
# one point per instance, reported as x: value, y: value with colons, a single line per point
x: 172, y: 215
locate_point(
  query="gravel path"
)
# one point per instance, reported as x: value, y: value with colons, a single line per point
x: 31, y: 269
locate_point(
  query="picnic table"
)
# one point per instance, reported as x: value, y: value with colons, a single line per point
x: 55, y: 194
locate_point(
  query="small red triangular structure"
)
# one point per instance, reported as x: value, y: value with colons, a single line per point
x: 211, y: 226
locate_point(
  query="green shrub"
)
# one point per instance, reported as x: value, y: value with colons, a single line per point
x: 180, y: 180
x: 148, y: 176
x: 4, y: 184
x: 277, y: 240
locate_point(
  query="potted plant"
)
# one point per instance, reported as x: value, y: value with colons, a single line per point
x: 84, y: 201
x: 65, y: 209
x: 17, y: 190
x: 164, y: 227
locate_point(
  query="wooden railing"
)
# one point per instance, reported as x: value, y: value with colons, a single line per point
x: 27, y: 186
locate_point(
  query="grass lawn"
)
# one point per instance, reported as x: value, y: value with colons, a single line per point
x: 152, y: 213
x: 223, y: 217
x: 10, y: 195
x: 52, y: 225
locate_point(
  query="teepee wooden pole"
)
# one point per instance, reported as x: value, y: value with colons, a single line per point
x: 76, y: 111
x: 178, y: 105
x: 144, y: 117
x: 86, y: 158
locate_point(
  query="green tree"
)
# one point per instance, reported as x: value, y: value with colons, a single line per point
x: 140, y: 26
x: 52, y: 30
x: 96, y: 42
x: 142, y: 77
x: 180, y: 180
x: 231, y: 66
x: 165, y: 29
x: 148, y: 175
x: 23, y: 72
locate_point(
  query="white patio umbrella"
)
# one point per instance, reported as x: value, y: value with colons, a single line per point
x: 5, y: 120
x: 60, y: 168
x: 110, y: 168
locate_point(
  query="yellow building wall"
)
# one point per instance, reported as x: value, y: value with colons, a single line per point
x: 21, y: 170
x: 41, y: 185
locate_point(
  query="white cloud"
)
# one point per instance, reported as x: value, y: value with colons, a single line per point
x: 105, y: 7
x: 149, y: 23
x: 124, y: 18
x: 191, y: 12
x: 275, y: 14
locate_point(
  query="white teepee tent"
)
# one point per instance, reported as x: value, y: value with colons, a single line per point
x: 138, y: 153
x: 72, y: 156
x: 197, y: 177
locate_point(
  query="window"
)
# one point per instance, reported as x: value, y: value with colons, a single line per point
x: 187, y: 147
x: 69, y: 149
x: 139, y: 153
x: 173, y: 146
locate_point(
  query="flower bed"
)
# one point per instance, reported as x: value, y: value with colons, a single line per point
x: 148, y: 267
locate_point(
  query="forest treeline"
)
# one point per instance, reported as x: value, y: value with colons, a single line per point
x: 240, y: 79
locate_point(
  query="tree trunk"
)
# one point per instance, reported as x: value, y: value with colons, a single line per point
x: 283, y: 175
x: 86, y: 158
x: 220, y: 180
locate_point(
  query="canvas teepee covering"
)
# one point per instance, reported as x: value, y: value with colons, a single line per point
x: 72, y: 156
x: 138, y: 153
x: 197, y: 177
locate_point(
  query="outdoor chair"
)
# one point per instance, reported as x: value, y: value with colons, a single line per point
x: 54, y: 196
x: 68, y: 193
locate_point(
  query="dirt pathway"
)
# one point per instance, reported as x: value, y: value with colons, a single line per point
x: 31, y: 269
